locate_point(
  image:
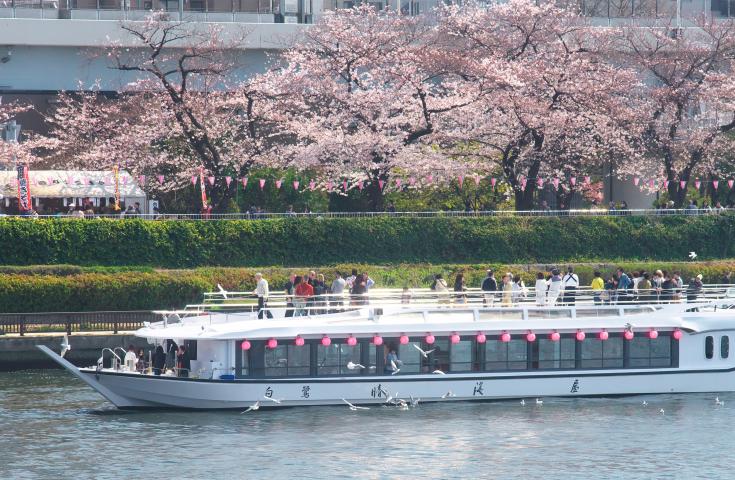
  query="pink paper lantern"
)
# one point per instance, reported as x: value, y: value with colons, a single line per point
x: 530, y: 337
x: 730, y: 183
x: 245, y: 345
x: 677, y: 334
x: 377, y: 340
x: 278, y: 184
x: 193, y: 180
x: 228, y: 181
x: 573, y: 181
x: 295, y: 184
x: 636, y: 181
x: 403, y: 339
x: 272, y: 343
x: 481, y: 338
x: 554, y: 336
x: 580, y: 335
x: 312, y: 185
x: 652, y: 334
x: 298, y: 341
x: 381, y: 183
x: 603, y: 335
x: 628, y: 335
x: 244, y: 181
x: 326, y: 341
x: 505, y: 337
x: 454, y: 338
x: 210, y: 179
x: 351, y: 341
x: 460, y: 180
x: 715, y: 184
x: 262, y: 183
x: 493, y: 182
x: 429, y: 339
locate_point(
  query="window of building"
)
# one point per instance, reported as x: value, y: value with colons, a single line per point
x: 511, y: 355
x: 333, y: 359
x: 287, y: 360
x: 709, y: 347
x: 461, y: 356
x: 724, y: 346
x: 550, y: 354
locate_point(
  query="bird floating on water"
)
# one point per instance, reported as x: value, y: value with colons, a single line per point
x: 252, y: 407
x: 65, y: 347
x: 438, y: 372
x: 449, y: 394
x: 523, y: 403
x: 645, y: 403
x: 539, y: 401
x: 354, y: 408
x: 719, y: 402
x: 414, y: 401
x: 662, y: 412
x: 424, y: 353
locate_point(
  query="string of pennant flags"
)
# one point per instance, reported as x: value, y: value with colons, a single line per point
x: 346, y: 185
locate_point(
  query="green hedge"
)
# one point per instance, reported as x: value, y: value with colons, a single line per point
x: 176, y: 288
x: 321, y: 241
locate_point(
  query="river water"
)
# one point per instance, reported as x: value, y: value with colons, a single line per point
x: 52, y: 426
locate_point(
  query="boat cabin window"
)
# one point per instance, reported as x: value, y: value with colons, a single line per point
x: 598, y: 353
x: 549, y: 313
x: 509, y: 314
x: 333, y: 359
x: 724, y: 346
x: 550, y: 354
x: 650, y: 352
x: 463, y: 316
x: 709, y: 347
x: 244, y: 363
x: 462, y: 356
x: 410, y: 356
x: 287, y: 360
x: 501, y: 355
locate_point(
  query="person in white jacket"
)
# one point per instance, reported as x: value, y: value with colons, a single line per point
x: 540, y: 289
x: 555, y: 287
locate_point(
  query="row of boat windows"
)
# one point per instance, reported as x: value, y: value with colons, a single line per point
x: 315, y: 359
x: 709, y: 347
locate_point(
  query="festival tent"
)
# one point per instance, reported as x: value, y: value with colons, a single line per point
x: 70, y: 187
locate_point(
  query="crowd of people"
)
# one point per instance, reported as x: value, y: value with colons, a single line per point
x: 158, y: 362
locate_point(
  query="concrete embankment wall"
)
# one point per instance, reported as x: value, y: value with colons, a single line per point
x: 19, y: 353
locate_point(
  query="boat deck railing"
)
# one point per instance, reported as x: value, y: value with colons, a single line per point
x: 522, y: 304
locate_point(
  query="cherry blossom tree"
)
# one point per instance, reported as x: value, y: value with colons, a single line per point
x: 183, y: 112
x: 686, y: 103
x: 30, y: 145
x: 360, y: 94
x: 558, y: 111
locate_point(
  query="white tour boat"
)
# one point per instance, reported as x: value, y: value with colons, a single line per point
x: 435, y: 350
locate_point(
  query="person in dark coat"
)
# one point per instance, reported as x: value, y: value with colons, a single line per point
x: 159, y: 360
x: 183, y: 362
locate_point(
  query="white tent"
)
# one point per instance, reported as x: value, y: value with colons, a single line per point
x: 74, y: 185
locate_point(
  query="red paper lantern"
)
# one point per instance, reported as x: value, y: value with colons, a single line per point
x: 603, y: 335
x: 326, y: 341
x: 652, y: 334
x: 377, y: 340
x: 454, y: 338
x: 245, y: 345
x: 530, y: 336
x: 628, y: 335
x: 481, y: 338
x: 403, y: 339
x: 580, y: 335
x: 677, y: 334
x: 272, y: 343
x: 505, y: 337
x: 298, y: 341
x: 351, y: 341
x: 429, y: 339
x: 554, y: 336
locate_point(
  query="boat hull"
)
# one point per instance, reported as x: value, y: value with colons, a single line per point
x: 129, y: 390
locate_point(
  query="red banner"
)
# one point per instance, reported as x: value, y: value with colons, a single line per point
x: 116, y: 172
x: 24, y: 190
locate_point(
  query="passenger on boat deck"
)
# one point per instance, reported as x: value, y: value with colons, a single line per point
x: 489, y: 285
x: 289, y: 288
x: 159, y: 360
x: 441, y: 289
x: 131, y: 359
x: 540, y: 289
x: 519, y: 290
x: 459, y: 288
x: 351, y: 279
x: 359, y: 290
x: 392, y: 362
x: 302, y: 293
x: 570, y: 282
x: 141, y: 361
x: 507, y: 290
x: 554, y: 287
x: 183, y: 362
x: 597, y: 286
x: 406, y: 295
x: 261, y: 290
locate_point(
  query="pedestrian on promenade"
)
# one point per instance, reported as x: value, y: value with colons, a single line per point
x: 261, y: 290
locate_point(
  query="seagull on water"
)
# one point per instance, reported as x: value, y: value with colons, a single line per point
x: 523, y: 403
x: 719, y: 402
x: 449, y: 394
x: 662, y: 412
x: 222, y: 291
x: 274, y: 400
x: 645, y: 403
x: 423, y: 353
x: 414, y: 401
x: 252, y: 407
x: 692, y: 255
x: 539, y: 402
x: 353, y: 366
x: 354, y: 408
x: 65, y: 347
x: 438, y: 372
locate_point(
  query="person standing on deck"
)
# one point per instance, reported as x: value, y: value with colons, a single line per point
x: 489, y: 285
x: 540, y: 289
x: 261, y: 290
x: 597, y: 286
x: 289, y: 289
x: 337, y: 289
x: 555, y: 287
x: 570, y: 282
